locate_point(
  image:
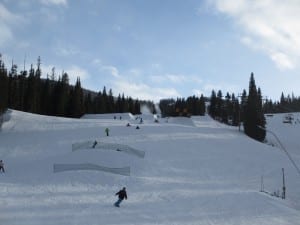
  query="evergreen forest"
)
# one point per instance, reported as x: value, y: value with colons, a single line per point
x: 27, y: 91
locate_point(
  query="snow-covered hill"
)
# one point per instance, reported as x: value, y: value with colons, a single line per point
x: 195, y: 171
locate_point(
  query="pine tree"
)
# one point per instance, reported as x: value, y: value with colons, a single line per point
x: 213, y: 104
x: 3, y: 86
x: 45, y: 97
x: 98, y: 103
x: 202, y: 105
x: 235, y: 111
x: 104, y: 101
x: 261, y: 120
x: 32, y: 91
x: 22, y: 85
x: 76, y: 100
x: 254, y: 121
x: 38, y: 72
x: 88, y: 104
x: 137, y: 108
x: 219, y: 105
x: 130, y: 105
x: 12, y: 86
x: 60, y: 96
x: 110, y: 102
x: 244, y: 99
x: 124, y: 105
x: 119, y: 104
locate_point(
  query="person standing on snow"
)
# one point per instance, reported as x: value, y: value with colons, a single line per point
x: 121, y: 194
x: 2, y: 166
x: 107, y: 131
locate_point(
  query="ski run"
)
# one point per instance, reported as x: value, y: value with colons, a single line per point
x: 192, y: 171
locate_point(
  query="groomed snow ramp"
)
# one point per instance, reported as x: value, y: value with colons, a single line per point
x: 82, y: 145
x: 125, y: 171
x: 108, y: 146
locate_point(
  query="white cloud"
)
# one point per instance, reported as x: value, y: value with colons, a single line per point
x: 282, y: 60
x: 55, y: 2
x: 132, y: 84
x: 112, y: 70
x: 156, y: 66
x: 209, y: 87
x: 73, y: 72
x: 143, y: 91
x: 67, y: 51
x: 157, y: 78
x: 5, y: 35
x: 197, y: 92
x: 135, y: 72
x: 270, y: 26
x: 175, y: 78
x: 136, y: 84
x: 231, y: 7
x: 7, y: 19
x: 7, y: 16
x: 224, y: 87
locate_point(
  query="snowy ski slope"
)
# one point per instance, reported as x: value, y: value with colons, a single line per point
x: 195, y: 171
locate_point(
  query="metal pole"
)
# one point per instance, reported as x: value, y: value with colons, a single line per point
x: 283, y: 184
x: 239, y: 119
x: 262, y: 184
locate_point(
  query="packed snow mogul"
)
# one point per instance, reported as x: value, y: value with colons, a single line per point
x: 121, y: 194
x: 2, y: 166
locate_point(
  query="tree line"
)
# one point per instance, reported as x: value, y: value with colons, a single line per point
x: 183, y: 107
x: 286, y: 104
x: 226, y: 109
x: 27, y: 91
x: 248, y: 111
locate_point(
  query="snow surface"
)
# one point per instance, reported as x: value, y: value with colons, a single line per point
x: 195, y: 171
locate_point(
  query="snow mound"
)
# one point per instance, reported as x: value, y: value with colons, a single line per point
x: 116, y: 116
x: 185, y: 121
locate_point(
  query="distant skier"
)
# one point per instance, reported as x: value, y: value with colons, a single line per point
x: 2, y: 166
x: 107, y: 131
x: 121, y: 194
x: 94, y: 144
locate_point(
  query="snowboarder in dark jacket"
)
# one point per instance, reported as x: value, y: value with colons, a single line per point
x: 94, y: 144
x: 121, y: 194
x: 2, y: 166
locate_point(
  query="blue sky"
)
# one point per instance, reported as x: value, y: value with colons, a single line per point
x: 153, y: 49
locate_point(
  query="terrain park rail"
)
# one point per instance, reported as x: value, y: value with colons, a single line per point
x: 108, y: 146
x: 88, y: 166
